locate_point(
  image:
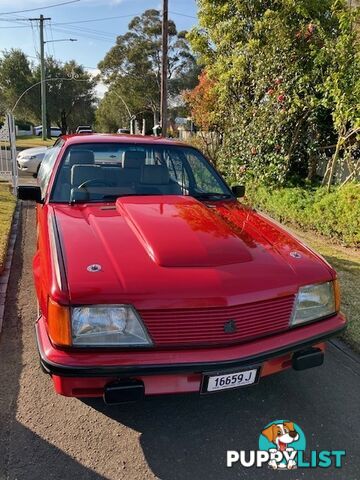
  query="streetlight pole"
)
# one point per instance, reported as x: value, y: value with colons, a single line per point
x: 164, y: 67
x: 41, y: 20
x: 43, y: 84
x: 63, y: 79
x: 131, y: 117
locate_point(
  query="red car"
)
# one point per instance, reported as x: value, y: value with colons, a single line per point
x: 152, y: 278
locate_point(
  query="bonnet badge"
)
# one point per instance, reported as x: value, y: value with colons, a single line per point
x: 94, y: 268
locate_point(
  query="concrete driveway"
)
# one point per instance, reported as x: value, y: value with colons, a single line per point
x: 45, y: 436
x: 26, y: 178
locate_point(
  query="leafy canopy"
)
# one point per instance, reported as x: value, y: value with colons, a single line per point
x: 70, y: 94
x: 132, y: 68
x: 271, y: 64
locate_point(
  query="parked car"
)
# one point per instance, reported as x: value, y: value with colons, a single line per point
x: 84, y: 129
x: 29, y: 160
x: 152, y: 278
x: 85, y: 132
x: 123, y: 131
x: 54, y: 131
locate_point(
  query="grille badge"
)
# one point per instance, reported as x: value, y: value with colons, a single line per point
x: 230, y: 327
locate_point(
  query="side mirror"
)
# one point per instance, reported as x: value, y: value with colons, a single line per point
x: 238, y: 190
x: 29, y: 192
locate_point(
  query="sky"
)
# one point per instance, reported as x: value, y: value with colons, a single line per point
x: 94, y: 38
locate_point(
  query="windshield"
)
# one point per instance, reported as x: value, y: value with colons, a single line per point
x: 105, y: 171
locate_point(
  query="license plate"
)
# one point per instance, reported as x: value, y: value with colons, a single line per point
x: 225, y: 381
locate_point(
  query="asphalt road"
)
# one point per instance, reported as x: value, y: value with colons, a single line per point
x: 46, y: 436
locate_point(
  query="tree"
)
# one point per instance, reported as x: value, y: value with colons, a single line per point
x: 202, y: 101
x: 70, y: 95
x: 15, y: 78
x: 342, y: 91
x: 111, y: 113
x: 133, y: 66
x: 268, y: 64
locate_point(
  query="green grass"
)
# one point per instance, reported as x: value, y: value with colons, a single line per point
x: 7, y: 206
x: 347, y: 264
x: 34, y: 141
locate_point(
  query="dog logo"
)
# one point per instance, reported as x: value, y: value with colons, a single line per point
x: 282, y: 446
x: 286, y: 438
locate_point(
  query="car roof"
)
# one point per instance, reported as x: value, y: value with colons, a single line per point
x: 76, y: 139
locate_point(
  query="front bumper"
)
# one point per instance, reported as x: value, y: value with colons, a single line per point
x: 82, y: 373
x: 27, y: 165
x: 22, y: 166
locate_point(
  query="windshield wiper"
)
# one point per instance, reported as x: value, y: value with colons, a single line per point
x: 109, y: 198
x: 211, y: 196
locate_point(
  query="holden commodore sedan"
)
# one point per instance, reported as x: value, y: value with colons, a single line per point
x: 152, y: 278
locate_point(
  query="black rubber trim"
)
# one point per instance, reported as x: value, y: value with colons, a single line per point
x: 199, y: 367
x: 60, y: 253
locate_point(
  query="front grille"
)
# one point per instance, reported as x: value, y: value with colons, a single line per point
x: 205, y: 326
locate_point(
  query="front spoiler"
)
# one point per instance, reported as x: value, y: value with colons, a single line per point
x: 321, y: 331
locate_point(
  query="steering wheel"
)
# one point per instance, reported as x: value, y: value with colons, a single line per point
x: 96, y: 183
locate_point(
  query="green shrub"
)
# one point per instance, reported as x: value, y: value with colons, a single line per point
x: 335, y: 214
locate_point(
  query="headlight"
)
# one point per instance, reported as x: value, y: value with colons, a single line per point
x: 315, y: 301
x: 108, y: 325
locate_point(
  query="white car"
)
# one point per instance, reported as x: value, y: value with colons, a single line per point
x: 54, y: 131
x: 29, y: 160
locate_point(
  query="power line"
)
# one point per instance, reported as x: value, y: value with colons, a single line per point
x: 23, y: 26
x: 40, y: 8
x: 47, y: 46
x: 96, y: 19
x: 96, y: 32
x: 85, y: 35
x: 12, y: 19
x: 34, y: 39
x: 99, y: 19
x: 182, y: 15
x: 18, y: 21
x: 52, y: 38
x: 63, y: 63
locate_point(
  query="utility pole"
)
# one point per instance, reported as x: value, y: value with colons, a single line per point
x: 164, y: 67
x: 41, y: 20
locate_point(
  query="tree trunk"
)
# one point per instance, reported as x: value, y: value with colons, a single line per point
x: 333, y: 162
x: 48, y: 126
x: 312, y: 167
x: 64, y: 126
x: 295, y: 137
